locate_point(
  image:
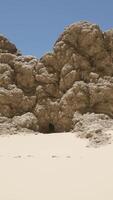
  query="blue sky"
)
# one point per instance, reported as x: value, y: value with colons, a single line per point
x: 34, y: 25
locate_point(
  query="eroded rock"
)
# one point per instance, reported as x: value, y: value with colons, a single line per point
x: 76, y: 77
x: 95, y: 127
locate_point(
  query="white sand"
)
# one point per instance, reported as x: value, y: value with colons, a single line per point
x: 54, y: 167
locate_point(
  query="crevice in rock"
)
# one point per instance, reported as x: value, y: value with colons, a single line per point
x: 51, y: 128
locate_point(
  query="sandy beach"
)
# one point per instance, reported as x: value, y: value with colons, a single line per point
x: 54, y: 167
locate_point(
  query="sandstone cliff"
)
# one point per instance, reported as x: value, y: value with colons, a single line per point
x: 70, y: 88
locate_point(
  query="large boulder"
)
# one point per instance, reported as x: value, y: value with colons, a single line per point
x: 47, y: 92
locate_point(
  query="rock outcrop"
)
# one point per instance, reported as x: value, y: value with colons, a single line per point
x: 76, y: 77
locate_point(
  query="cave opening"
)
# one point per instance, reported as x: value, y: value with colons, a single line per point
x: 51, y: 128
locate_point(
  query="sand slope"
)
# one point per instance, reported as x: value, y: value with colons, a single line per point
x: 54, y: 167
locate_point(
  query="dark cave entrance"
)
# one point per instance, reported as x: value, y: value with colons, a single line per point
x: 51, y: 128
x: 48, y: 128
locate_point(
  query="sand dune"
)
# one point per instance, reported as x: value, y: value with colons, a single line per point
x: 54, y: 167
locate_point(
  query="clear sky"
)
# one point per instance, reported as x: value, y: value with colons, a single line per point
x: 34, y: 25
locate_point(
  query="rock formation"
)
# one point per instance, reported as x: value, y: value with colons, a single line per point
x: 76, y: 79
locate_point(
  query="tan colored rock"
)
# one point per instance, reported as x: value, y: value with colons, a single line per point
x: 68, y: 81
x: 93, y: 127
x: 47, y: 93
x: 6, y: 46
x: 14, y: 102
x: 101, y: 97
x: 27, y: 120
x: 7, y: 58
x: 25, y: 70
x: 6, y: 75
x: 93, y: 77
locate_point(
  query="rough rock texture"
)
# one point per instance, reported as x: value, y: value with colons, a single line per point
x: 95, y: 127
x: 76, y: 77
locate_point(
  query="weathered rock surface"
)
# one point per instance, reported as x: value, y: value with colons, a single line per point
x: 95, y: 127
x: 77, y: 76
